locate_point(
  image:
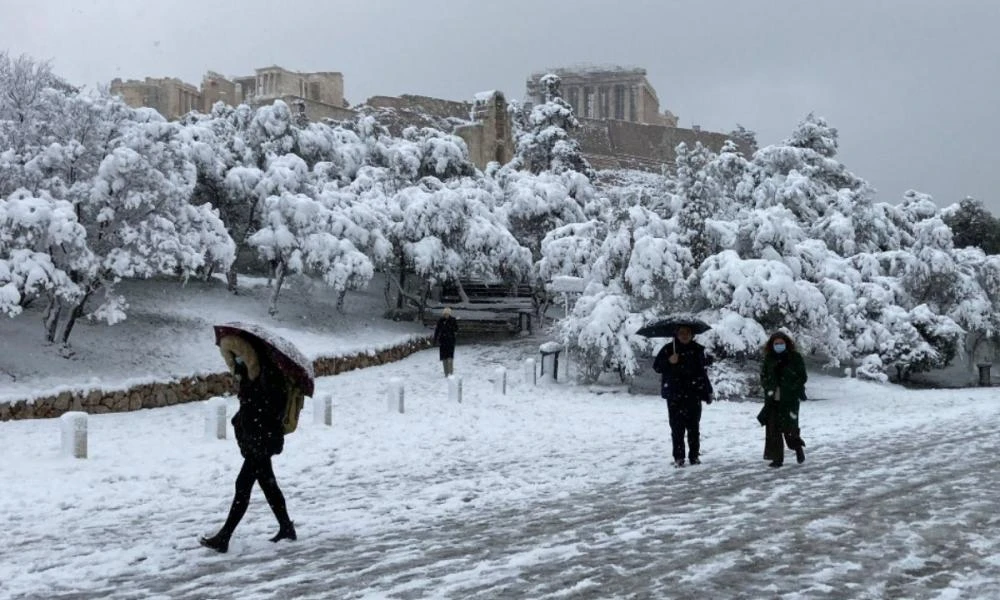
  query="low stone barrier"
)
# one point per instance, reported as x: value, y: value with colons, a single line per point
x: 185, y: 389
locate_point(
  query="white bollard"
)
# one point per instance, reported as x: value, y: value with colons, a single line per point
x: 501, y: 382
x: 530, y: 374
x: 394, y: 395
x: 74, y: 434
x: 215, y: 419
x: 323, y: 410
x: 455, y: 388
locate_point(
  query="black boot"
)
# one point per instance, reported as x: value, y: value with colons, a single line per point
x: 775, y: 464
x: 800, y: 454
x: 286, y: 532
x: 218, y: 542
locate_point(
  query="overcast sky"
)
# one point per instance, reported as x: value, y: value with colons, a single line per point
x: 912, y: 85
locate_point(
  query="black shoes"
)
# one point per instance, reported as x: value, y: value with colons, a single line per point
x: 287, y: 532
x: 220, y: 542
x: 800, y: 454
x: 678, y: 463
x: 217, y: 542
x: 695, y: 461
x: 775, y: 464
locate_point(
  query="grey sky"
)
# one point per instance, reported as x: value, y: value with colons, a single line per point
x: 912, y: 85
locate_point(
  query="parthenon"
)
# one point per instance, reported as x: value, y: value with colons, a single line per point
x: 603, y: 93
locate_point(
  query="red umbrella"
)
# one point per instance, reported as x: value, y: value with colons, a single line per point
x: 286, y: 356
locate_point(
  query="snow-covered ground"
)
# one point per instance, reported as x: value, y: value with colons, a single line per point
x: 554, y: 491
x: 168, y: 333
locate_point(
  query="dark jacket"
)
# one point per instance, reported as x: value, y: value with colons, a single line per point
x: 686, y: 382
x: 785, y: 372
x: 444, y: 336
x: 258, y: 422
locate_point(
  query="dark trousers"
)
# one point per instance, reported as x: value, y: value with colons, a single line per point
x: 255, y: 470
x: 775, y: 440
x: 684, y: 418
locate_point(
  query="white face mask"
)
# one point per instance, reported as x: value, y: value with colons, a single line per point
x: 779, y: 348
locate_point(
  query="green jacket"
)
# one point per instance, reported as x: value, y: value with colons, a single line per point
x: 789, y: 376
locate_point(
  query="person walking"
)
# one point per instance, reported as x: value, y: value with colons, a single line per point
x: 444, y: 336
x: 260, y: 435
x: 783, y: 379
x: 684, y: 384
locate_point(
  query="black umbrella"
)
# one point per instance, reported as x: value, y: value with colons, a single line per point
x: 284, y: 354
x: 668, y: 327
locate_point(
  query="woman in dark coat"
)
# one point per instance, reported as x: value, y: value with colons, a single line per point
x: 444, y: 336
x: 685, y: 385
x: 783, y: 378
x: 260, y: 435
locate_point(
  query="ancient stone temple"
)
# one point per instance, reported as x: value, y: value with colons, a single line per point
x: 602, y: 93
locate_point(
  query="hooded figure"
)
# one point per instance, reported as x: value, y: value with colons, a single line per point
x: 259, y: 434
x: 684, y: 382
x: 444, y: 336
x: 783, y: 379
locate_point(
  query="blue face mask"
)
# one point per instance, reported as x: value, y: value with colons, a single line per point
x: 779, y: 347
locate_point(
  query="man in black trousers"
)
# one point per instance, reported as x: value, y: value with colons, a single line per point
x: 685, y: 385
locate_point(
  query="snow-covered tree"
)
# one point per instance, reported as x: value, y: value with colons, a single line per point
x: 973, y: 225
x: 700, y: 198
x: 444, y: 232
x: 139, y: 223
x: 41, y: 244
x: 534, y: 205
x: 297, y: 236
x: 600, y: 332
x: 546, y: 143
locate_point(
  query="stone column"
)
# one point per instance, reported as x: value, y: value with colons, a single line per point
x: 633, y: 104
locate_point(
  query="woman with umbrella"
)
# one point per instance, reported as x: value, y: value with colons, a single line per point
x: 783, y: 378
x: 262, y: 388
x: 684, y: 382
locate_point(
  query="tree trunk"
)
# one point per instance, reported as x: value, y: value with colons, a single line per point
x: 387, y: 291
x: 423, y: 301
x: 541, y: 301
x: 972, y: 344
x: 461, y: 292
x: 403, y: 295
x: 51, y: 320
x: 402, y: 282
x: 231, y: 279
x: 272, y: 272
x: 75, y: 314
x: 341, y: 295
x: 279, y: 278
x: 241, y: 244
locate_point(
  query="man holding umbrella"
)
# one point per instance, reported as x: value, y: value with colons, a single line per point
x: 684, y: 381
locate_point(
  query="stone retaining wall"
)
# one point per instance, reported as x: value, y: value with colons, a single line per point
x: 186, y: 389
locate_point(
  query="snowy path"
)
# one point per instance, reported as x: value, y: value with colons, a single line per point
x: 903, y: 518
x: 548, y: 492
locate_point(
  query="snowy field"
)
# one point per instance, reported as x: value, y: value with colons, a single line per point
x: 168, y: 334
x: 554, y: 491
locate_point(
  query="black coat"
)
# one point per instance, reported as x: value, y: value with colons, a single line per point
x: 258, y: 423
x: 686, y: 382
x: 444, y: 336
